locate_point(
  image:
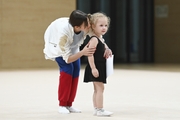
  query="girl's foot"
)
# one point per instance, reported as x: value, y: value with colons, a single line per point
x: 102, y: 112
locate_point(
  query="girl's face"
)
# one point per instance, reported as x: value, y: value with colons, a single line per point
x: 101, y: 26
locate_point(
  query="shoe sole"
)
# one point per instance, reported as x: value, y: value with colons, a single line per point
x: 103, y: 115
x: 75, y: 112
x: 63, y: 113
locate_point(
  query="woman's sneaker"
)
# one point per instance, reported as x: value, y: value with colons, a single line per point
x: 73, y: 110
x: 102, y: 112
x: 63, y: 110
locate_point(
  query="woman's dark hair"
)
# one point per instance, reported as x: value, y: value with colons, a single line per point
x: 77, y: 18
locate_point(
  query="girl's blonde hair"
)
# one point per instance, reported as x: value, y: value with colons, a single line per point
x: 94, y: 17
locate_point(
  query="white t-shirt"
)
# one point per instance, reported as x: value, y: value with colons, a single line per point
x: 60, y: 39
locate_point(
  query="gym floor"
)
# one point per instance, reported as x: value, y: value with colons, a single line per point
x: 133, y: 92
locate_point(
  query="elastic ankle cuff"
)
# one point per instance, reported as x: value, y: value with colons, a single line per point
x: 63, y: 103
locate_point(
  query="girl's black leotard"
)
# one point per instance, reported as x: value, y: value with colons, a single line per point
x: 100, y: 62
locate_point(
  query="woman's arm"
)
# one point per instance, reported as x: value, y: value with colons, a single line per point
x: 87, y: 51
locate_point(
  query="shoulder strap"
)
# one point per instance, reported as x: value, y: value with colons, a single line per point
x: 94, y: 36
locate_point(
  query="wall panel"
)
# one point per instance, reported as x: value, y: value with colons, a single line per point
x: 24, y: 24
x: 0, y: 32
x: 167, y: 33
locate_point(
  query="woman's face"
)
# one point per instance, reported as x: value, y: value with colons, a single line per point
x: 82, y: 27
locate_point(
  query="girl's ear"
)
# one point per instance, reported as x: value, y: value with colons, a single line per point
x: 93, y: 26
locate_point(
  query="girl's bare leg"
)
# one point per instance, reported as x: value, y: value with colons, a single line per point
x: 98, y: 94
x: 94, y: 97
x: 98, y: 100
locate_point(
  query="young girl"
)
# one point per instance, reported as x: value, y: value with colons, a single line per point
x: 95, y: 70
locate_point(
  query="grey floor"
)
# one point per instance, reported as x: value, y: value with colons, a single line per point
x: 133, y: 92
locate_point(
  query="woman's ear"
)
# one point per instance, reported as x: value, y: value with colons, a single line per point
x: 76, y: 28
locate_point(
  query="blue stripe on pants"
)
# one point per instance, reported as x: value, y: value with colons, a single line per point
x: 71, y: 68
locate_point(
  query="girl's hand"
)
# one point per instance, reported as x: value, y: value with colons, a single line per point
x: 95, y: 72
x: 107, y: 53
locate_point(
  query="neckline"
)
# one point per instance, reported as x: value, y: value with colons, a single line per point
x: 100, y: 39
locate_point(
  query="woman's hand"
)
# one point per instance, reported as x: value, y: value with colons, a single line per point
x: 87, y: 51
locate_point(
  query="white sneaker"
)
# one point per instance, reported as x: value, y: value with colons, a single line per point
x: 73, y: 110
x: 95, y: 111
x: 102, y: 112
x: 63, y: 110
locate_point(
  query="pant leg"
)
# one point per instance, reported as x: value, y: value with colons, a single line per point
x: 65, y: 81
x: 75, y: 80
